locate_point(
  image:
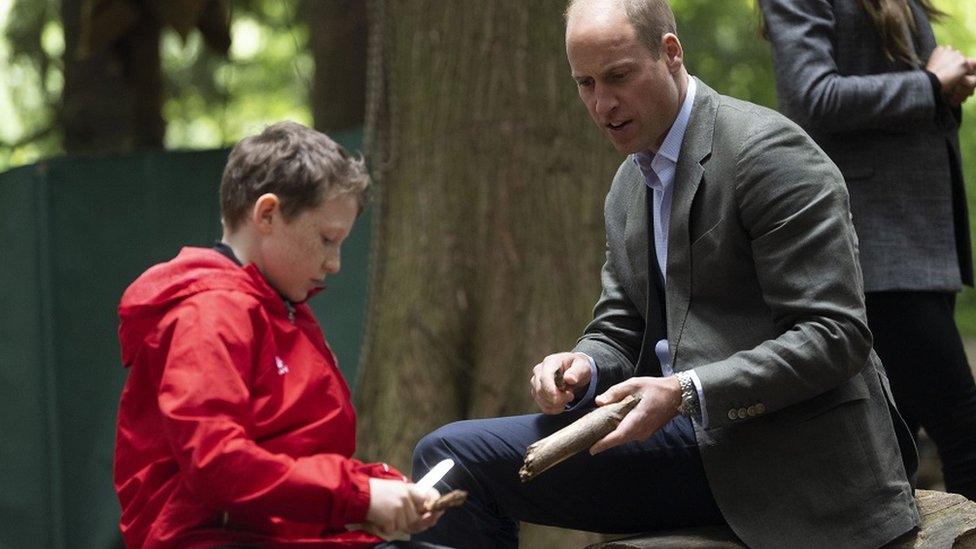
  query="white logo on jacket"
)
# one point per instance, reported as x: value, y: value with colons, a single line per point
x: 282, y: 367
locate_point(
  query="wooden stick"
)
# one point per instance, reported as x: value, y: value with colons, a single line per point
x: 454, y: 498
x: 560, y: 382
x: 575, y: 437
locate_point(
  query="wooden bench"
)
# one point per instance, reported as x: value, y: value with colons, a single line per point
x: 948, y: 520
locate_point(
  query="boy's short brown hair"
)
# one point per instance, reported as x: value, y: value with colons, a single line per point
x: 300, y: 165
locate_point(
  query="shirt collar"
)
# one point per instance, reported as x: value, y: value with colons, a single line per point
x: 671, y: 147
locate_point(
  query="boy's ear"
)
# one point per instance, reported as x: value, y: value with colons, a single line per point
x: 266, y: 208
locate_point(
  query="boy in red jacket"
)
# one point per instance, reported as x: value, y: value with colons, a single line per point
x: 235, y: 426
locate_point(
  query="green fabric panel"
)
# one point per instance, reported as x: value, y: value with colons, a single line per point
x: 29, y: 478
x: 110, y: 219
x: 78, y: 232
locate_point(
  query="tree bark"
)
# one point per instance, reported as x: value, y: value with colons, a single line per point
x: 338, y: 41
x: 489, y: 224
x: 112, y: 99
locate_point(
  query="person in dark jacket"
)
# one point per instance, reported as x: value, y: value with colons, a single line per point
x: 235, y: 426
x: 869, y: 83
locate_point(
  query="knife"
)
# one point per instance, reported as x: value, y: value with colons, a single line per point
x: 436, y: 473
x: 432, y: 477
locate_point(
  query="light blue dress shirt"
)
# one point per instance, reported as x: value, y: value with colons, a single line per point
x: 658, y: 169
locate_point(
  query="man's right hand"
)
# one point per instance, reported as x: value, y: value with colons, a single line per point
x: 576, y: 374
x: 955, y: 74
x: 396, y: 506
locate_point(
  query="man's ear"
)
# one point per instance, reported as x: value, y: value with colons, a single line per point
x: 674, y: 54
x: 265, y: 211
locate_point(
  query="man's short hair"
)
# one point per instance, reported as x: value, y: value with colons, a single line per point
x: 301, y: 166
x: 651, y: 19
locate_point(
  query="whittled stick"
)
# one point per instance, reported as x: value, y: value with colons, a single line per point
x: 454, y: 498
x: 575, y: 437
x: 560, y: 382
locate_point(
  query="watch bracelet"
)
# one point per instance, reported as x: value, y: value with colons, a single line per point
x: 689, y: 396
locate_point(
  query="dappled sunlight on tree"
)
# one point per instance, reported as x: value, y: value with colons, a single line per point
x: 210, y: 100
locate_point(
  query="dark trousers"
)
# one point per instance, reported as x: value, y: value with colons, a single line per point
x: 916, y: 337
x: 636, y: 487
x: 398, y: 544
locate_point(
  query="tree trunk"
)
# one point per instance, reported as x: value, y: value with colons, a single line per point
x: 338, y: 41
x: 112, y: 99
x: 489, y: 222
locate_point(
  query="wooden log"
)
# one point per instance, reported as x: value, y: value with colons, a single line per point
x: 575, y: 437
x: 699, y: 537
x: 947, y: 520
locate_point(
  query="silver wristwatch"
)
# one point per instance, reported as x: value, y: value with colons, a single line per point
x: 690, y: 406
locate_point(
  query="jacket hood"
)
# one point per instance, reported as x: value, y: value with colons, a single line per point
x: 165, y: 285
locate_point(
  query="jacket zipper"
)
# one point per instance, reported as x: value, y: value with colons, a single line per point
x: 291, y: 311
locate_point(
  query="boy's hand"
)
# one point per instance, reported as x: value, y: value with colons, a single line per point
x: 576, y: 375
x: 396, y: 506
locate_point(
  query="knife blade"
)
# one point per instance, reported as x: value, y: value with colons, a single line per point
x: 435, y: 474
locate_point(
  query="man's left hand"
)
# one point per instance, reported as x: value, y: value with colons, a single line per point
x: 660, y: 399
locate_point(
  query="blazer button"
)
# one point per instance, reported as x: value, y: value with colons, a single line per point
x: 732, y: 414
x: 760, y: 408
x: 742, y: 413
x: 751, y: 411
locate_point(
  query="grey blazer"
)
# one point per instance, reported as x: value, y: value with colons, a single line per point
x: 764, y: 301
x: 880, y: 123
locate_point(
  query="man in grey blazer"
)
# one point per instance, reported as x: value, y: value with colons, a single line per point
x: 887, y: 113
x: 732, y: 304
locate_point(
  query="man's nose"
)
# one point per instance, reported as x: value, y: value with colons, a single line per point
x: 605, y: 99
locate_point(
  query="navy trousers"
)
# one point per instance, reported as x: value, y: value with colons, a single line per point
x: 637, y: 487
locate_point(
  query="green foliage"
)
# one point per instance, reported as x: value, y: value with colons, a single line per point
x: 30, y: 62
x: 213, y: 101
x: 724, y: 48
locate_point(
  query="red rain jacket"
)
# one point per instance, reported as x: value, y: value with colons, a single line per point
x: 235, y: 425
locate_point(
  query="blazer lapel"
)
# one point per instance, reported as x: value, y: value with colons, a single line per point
x: 695, y: 147
x: 636, y: 234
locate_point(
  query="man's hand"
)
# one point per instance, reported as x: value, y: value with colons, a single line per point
x: 660, y: 399
x: 955, y: 74
x: 576, y: 374
x: 396, y: 506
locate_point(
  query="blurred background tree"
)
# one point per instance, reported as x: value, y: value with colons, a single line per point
x: 119, y: 75
x: 303, y: 60
x: 494, y: 167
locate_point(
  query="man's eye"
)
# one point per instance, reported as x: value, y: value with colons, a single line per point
x: 584, y: 83
x: 618, y: 76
